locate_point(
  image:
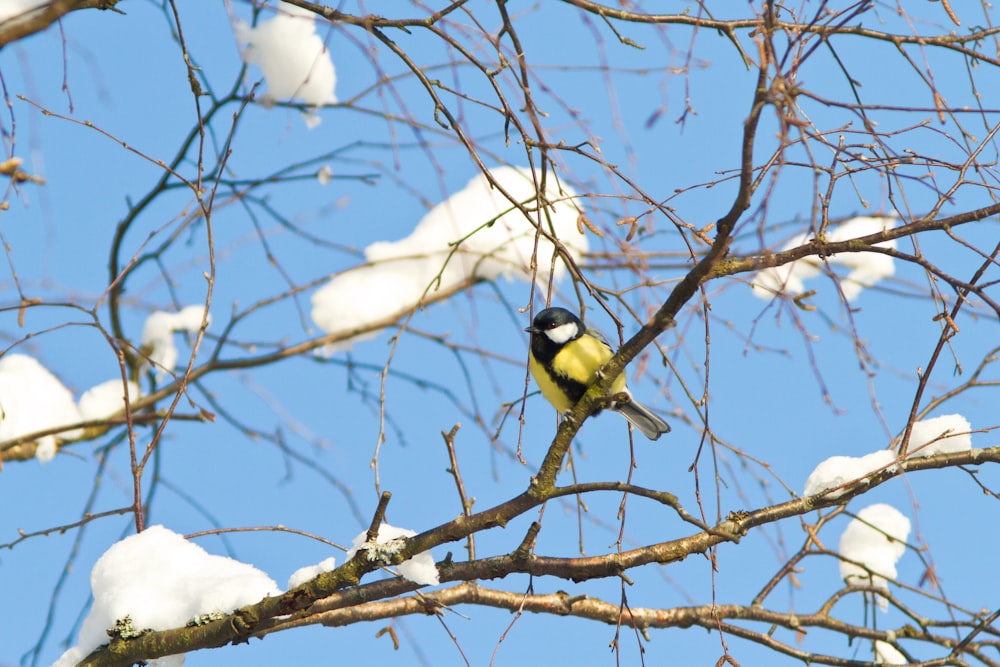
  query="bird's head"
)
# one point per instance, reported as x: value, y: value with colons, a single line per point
x: 557, y: 324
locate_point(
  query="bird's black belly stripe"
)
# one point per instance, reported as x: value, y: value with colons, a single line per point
x: 574, y: 390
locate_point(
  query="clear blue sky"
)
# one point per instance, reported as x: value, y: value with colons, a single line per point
x: 125, y: 75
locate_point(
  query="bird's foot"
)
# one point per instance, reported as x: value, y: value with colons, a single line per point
x: 622, y: 397
x: 613, y: 401
x: 567, y: 416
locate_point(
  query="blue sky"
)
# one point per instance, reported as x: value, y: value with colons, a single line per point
x: 306, y: 421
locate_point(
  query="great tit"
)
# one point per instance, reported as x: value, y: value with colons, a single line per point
x: 564, y: 359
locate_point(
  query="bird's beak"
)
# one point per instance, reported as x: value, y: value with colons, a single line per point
x: 533, y: 330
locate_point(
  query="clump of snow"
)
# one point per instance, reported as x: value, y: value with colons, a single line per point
x: 20, y: 10
x: 292, y: 57
x: 788, y: 278
x: 304, y: 574
x: 475, y: 233
x: 159, y: 581
x: 389, y: 290
x: 106, y: 399
x: 877, y: 540
x: 887, y: 654
x: 947, y: 433
x: 420, y: 569
x: 158, y: 335
x: 324, y: 175
x: 495, y: 238
x: 33, y: 399
x: 839, y: 470
x: 864, y: 268
x: 45, y: 449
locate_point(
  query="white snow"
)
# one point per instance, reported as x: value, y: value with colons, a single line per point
x: 161, y: 581
x: 324, y: 175
x: 887, y: 654
x: 399, y: 272
x: 158, y: 335
x: 928, y: 437
x: 788, y: 278
x: 839, y: 470
x: 106, y: 399
x: 876, y: 539
x: 45, y: 449
x: 19, y: 10
x: 420, y: 569
x: 33, y: 399
x: 864, y: 268
x: 292, y: 57
x: 388, y: 290
x: 304, y: 574
x: 504, y: 247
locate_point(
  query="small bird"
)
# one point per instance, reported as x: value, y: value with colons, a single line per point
x: 564, y: 360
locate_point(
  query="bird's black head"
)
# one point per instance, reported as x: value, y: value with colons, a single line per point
x: 554, y: 327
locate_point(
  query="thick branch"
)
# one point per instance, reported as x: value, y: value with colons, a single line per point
x: 37, y: 20
x: 343, y: 582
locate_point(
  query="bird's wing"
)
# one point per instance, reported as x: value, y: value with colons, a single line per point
x: 596, y: 333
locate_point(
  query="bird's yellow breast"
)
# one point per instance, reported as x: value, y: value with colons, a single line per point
x: 573, y: 369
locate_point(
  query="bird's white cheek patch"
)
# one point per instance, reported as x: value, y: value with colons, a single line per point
x: 563, y: 333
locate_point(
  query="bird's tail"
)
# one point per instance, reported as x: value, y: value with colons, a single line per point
x: 643, y: 418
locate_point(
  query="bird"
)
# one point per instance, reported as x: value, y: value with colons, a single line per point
x: 565, y: 357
